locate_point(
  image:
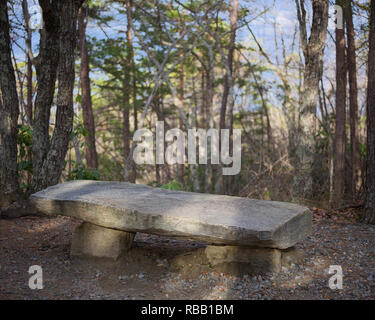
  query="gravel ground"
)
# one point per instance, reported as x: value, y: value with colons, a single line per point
x: 146, y: 273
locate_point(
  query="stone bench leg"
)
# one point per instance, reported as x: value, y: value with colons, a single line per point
x: 94, y: 241
x: 245, y: 260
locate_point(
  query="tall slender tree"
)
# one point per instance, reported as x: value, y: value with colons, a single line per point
x: 9, y: 112
x: 129, y: 89
x: 227, y: 103
x: 129, y: 37
x: 313, y: 51
x: 340, y: 133
x: 356, y: 174
x: 369, y: 206
x: 29, y: 65
x: 87, y: 112
x: 181, y: 167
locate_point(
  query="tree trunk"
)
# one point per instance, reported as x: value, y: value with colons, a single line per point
x: 194, y: 168
x: 129, y: 6
x: 181, y: 167
x: 87, y: 112
x: 313, y: 50
x: 228, y: 81
x: 29, y: 68
x: 210, y: 80
x: 163, y: 169
x: 46, y: 72
x: 57, y: 52
x: 226, y: 111
x: 129, y: 73
x: 340, y: 133
x: 356, y: 173
x: 9, y: 110
x: 369, y: 206
x: 126, y: 122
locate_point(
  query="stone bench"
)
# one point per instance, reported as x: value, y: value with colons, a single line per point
x: 235, y: 229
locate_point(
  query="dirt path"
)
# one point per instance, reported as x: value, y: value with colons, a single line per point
x: 146, y: 274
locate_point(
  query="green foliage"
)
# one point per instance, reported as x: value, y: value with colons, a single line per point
x: 83, y: 173
x: 24, y: 141
x: 153, y: 184
x: 363, y: 150
x: 79, y: 130
x: 25, y: 164
x: 173, y: 185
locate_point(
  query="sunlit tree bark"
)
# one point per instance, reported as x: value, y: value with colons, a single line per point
x: 313, y: 50
x: 56, y: 61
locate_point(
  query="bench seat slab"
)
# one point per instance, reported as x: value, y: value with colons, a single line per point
x: 215, y: 219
